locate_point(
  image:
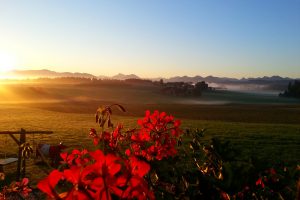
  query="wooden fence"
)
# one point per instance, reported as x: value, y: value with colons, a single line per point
x: 21, y: 167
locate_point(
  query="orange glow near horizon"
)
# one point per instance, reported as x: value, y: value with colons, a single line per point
x: 8, y: 95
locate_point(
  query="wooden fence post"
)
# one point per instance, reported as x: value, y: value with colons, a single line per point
x: 21, y: 170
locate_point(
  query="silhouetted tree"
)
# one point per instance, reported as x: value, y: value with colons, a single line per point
x: 293, y: 90
x: 161, y: 81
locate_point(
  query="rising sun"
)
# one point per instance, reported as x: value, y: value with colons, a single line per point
x: 7, y: 62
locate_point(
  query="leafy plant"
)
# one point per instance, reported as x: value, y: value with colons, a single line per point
x: 158, y: 160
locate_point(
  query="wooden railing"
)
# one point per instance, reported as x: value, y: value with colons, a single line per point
x: 21, y: 167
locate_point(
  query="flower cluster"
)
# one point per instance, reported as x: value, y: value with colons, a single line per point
x: 271, y: 184
x: 78, y: 158
x: 20, y: 189
x: 156, y: 138
x: 119, y: 169
x: 93, y: 175
x: 111, y: 141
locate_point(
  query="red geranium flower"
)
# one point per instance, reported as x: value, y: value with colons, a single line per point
x: 102, y: 177
x: 48, y: 184
x: 259, y: 182
x: 157, y: 137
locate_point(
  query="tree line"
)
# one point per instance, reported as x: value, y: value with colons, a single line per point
x: 293, y: 90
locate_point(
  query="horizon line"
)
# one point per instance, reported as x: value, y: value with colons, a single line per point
x: 141, y: 77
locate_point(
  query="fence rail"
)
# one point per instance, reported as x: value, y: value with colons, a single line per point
x: 21, y: 168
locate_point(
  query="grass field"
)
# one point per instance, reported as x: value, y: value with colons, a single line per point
x: 272, y: 142
x: 262, y: 127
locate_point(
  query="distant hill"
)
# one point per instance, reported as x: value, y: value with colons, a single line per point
x: 120, y: 76
x: 213, y: 79
x: 124, y: 77
x: 277, y: 83
x: 44, y: 73
x: 196, y: 79
x: 47, y: 73
x: 266, y: 83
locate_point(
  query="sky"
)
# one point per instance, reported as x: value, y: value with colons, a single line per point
x: 157, y: 38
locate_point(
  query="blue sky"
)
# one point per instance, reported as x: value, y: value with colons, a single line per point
x: 234, y: 38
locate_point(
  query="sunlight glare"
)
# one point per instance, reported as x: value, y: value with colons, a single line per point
x: 7, y: 62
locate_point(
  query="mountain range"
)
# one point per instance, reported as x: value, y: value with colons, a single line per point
x: 213, y: 79
x: 46, y: 73
x: 271, y: 81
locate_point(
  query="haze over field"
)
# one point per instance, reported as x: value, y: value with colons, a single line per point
x: 265, y: 84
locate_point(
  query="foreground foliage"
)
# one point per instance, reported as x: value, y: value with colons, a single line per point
x: 154, y: 162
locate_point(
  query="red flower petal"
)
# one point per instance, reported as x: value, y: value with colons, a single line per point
x: 48, y: 184
x: 64, y: 156
x: 139, y: 168
x: 72, y: 174
x: 25, y: 181
x: 127, y: 152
